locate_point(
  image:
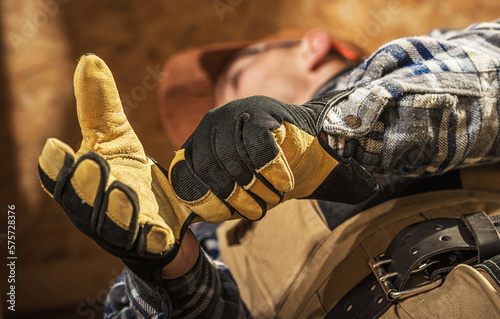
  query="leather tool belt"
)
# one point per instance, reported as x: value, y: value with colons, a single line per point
x: 418, y: 259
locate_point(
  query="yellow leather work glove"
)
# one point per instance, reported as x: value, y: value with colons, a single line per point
x: 110, y: 189
x: 251, y: 154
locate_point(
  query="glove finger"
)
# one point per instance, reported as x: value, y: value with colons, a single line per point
x: 194, y: 193
x: 255, y: 186
x: 226, y: 149
x: 246, y: 204
x: 84, y: 193
x: 117, y: 222
x: 54, y: 165
x: 266, y: 155
x: 105, y: 128
x: 201, y: 158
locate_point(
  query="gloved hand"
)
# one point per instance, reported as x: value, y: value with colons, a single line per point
x: 251, y: 154
x: 110, y: 189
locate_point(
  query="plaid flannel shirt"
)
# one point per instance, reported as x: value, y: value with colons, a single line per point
x: 422, y: 106
x: 206, y: 291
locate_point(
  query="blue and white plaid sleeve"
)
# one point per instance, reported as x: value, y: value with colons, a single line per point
x: 206, y: 291
x: 423, y: 105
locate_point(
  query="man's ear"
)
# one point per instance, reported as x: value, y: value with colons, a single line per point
x: 314, y: 47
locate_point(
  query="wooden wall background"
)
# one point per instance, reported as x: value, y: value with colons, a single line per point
x: 61, y: 274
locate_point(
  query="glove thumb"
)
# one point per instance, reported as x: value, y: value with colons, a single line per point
x: 105, y: 128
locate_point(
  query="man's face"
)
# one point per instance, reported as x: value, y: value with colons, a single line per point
x: 270, y: 69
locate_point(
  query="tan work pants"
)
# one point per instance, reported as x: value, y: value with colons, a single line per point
x: 290, y: 265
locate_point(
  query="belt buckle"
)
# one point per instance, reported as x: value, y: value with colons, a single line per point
x: 379, y: 266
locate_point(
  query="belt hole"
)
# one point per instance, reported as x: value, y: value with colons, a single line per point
x: 407, y: 237
x: 372, y: 287
x: 414, y: 250
x: 380, y: 299
x: 445, y: 238
x: 496, y: 224
x: 348, y: 307
x: 438, y: 227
